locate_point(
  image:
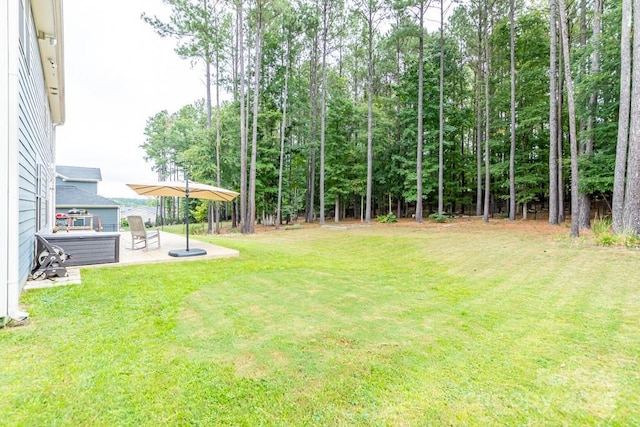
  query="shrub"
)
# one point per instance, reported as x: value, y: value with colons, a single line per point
x: 602, y: 231
x: 437, y: 217
x: 293, y: 227
x: 601, y: 226
x: 387, y: 219
x: 606, y: 240
x: 632, y: 241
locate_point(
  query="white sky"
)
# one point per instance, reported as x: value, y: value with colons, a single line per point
x: 118, y: 73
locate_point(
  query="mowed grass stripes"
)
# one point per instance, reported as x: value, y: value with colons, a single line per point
x: 462, y: 323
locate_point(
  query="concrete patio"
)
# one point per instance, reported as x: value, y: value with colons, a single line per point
x: 168, y: 242
x: 129, y: 256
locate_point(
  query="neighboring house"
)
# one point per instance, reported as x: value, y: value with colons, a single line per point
x: 83, y: 178
x: 31, y: 106
x: 148, y: 214
x: 77, y: 189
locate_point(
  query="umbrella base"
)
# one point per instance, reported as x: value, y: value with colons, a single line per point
x: 187, y: 252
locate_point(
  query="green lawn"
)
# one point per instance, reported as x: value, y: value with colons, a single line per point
x: 452, y: 324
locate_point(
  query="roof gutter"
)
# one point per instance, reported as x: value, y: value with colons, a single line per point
x: 67, y: 179
x: 47, y: 16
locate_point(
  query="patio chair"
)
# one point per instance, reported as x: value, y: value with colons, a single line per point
x: 140, y: 234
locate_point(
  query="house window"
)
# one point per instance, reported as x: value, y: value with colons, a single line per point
x: 41, y: 197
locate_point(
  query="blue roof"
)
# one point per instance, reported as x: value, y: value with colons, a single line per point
x: 72, y: 197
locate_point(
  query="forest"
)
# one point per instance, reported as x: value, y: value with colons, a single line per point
x: 371, y: 108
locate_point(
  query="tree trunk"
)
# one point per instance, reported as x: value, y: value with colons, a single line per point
x: 399, y: 124
x: 512, y: 152
x: 583, y: 199
x: 553, y: 117
x: 367, y: 217
x: 311, y: 169
x: 623, y: 119
x: 283, y: 128
x: 323, y: 105
x: 575, y: 206
x: 441, y: 117
x: 243, y: 131
x: 487, y: 131
x: 218, y: 140
x: 419, y: 214
x: 208, y: 101
x: 254, y: 135
x: 311, y: 185
x: 560, y: 135
x: 250, y: 223
x: 479, y: 137
x: 631, y: 212
x: 236, y: 62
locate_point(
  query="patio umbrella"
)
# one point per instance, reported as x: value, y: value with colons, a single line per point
x: 184, y: 189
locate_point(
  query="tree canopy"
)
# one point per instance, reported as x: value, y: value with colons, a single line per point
x: 356, y: 131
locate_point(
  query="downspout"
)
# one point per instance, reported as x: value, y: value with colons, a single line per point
x: 9, y: 216
x: 59, y: 35
x: 13, y: 202
x: 4, y: 174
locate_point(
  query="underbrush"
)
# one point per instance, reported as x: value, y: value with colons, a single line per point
x: 438, y: 217
x: 387, y: 219
x: 603, y: 232
x: 293, y: 227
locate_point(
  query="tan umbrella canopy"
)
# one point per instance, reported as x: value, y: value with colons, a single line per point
x: 179, y: 189
x: 184, y: 189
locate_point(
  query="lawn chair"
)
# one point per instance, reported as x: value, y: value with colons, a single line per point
x: 140, y: 234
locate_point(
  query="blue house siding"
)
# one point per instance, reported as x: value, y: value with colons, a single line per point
x: 110, y: 218
x: 84, y: 178
x: 32, y: 92
x: 35, y: 148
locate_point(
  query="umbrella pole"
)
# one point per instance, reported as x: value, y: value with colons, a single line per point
x: 186, y: 212
x: 187, y: 252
